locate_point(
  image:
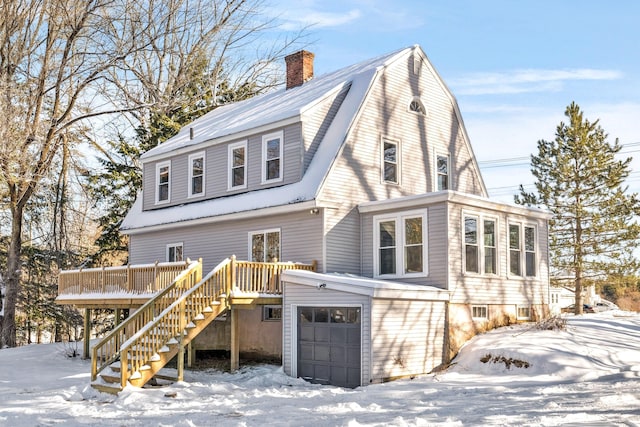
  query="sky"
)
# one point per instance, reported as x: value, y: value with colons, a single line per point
x: 585, y: 374
x: 513, y: 66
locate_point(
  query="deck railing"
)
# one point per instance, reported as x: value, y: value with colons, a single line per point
x: 134, y: 279
x: 263, y: 277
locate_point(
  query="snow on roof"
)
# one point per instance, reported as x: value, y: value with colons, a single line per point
x: 365, y: 286
x: 294, y: 101
x: 268, y: 108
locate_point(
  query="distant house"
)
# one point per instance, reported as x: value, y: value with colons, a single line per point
x: 368, y: 174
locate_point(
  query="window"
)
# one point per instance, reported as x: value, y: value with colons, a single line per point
x: 196, y: 174
x: 390, y: 164
x: 174, y: 252
x: 442, y: 172
x: 237, y: 165
x: 400, y: 245
x: 555, y: 298
x: 524, y: 312
x: 264, y: 246
x: 271, y: 313
x: 514, y: 250
x: 480, y: 253
x: 522, y: 250
x: 417, y: 106
x: 479, y: 311
x: 272, y: 157
x: 471, y: 245
x: 163, y: 181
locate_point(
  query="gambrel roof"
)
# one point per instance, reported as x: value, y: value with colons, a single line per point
x: 265, y: 112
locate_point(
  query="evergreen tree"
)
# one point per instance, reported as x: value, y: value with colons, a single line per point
x: 580, y: 179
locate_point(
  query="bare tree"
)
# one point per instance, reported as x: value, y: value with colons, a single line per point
x: 63, y: 62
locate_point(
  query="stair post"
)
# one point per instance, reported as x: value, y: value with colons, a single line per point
x: 182, y: 326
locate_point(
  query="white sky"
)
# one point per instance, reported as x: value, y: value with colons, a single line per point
x: 588, y: 374
x: 514, y: 66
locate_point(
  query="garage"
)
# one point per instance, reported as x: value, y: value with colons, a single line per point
x: 350, y: 331
x: 329, y: 345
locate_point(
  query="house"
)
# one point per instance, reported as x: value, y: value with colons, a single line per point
x: 366, y: 173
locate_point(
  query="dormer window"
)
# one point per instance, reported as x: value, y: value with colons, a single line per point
x: 163, y: 182
x: 416, y: 106
x: 237, y: 166
x: 196, y: 174
x: 272, y: 157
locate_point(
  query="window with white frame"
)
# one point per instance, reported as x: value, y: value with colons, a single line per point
x: 479, y: 311
x: 442, y: 172
x: 174, y: 252
x: 480, y: 252
x: 400, y: 245
x: 416, y: 106
x: 524, y: 312
x: 522, y: 250
x: 196, y: 174
x: 390, y: 161
x: 237, y: 165
x: 163, y: 182
x: 272, y: 148
x: 264, y: 246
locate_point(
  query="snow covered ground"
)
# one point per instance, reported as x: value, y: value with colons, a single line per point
x: 588, y: 374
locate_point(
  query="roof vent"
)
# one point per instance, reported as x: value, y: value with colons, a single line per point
x: 299, y: 68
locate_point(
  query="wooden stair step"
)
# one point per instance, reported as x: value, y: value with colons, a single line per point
x: 106, y: 388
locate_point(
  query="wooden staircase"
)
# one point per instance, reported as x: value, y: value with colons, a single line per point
x: 136, y: 350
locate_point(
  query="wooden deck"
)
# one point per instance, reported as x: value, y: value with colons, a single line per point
x: 175, y: 304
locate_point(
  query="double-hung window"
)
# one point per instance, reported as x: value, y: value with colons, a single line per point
x: 480, y: 254
x: 400, y: 245
x: 174, y: 252
x: 264, y: 246
x: 442, y: 172
x: 237, y: 166
x: 196, y: 174
x: 390, y: 161
x: 272, y: 149
x: 522, y: 250
x: 163, y: 182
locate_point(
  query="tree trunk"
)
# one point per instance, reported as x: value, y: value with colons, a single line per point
x: 8, y: 335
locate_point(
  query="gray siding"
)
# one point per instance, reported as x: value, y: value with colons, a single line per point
x: 317, y: 121
x: 437, y: 244
x: 356, y: 174
x: 407, y: 337
x: 300, y: 234
x: 217, y: 168
x: 501, y: 288
x: 342, y: 241
x: 302, y: 295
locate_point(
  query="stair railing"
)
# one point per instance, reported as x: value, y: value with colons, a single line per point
x: 107, y: 351
x: 141, y: 347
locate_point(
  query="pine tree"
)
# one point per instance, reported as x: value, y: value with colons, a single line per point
x: 581, y: 181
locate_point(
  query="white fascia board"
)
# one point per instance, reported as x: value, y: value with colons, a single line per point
x: 275, y: 210
x: 415, y: 201
x: 365, y: 286
x: 222, y: 139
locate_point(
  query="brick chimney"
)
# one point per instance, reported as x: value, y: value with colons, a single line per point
x: 299, y: 68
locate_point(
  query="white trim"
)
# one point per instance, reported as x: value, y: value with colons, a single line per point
x: 423, y: 113
x: 438, y: 154
x: 398, y: 161
x: 481, y: 218
x: 426, y: 199
x: 159, y: 166
x: 192, y: 157
x: 265, y: 139
x: 399, y: 221
x: 523, y: 253
x: 174, y: 245
x: 230, y: 149
x: 482, y: 306
x: 264, y: 233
